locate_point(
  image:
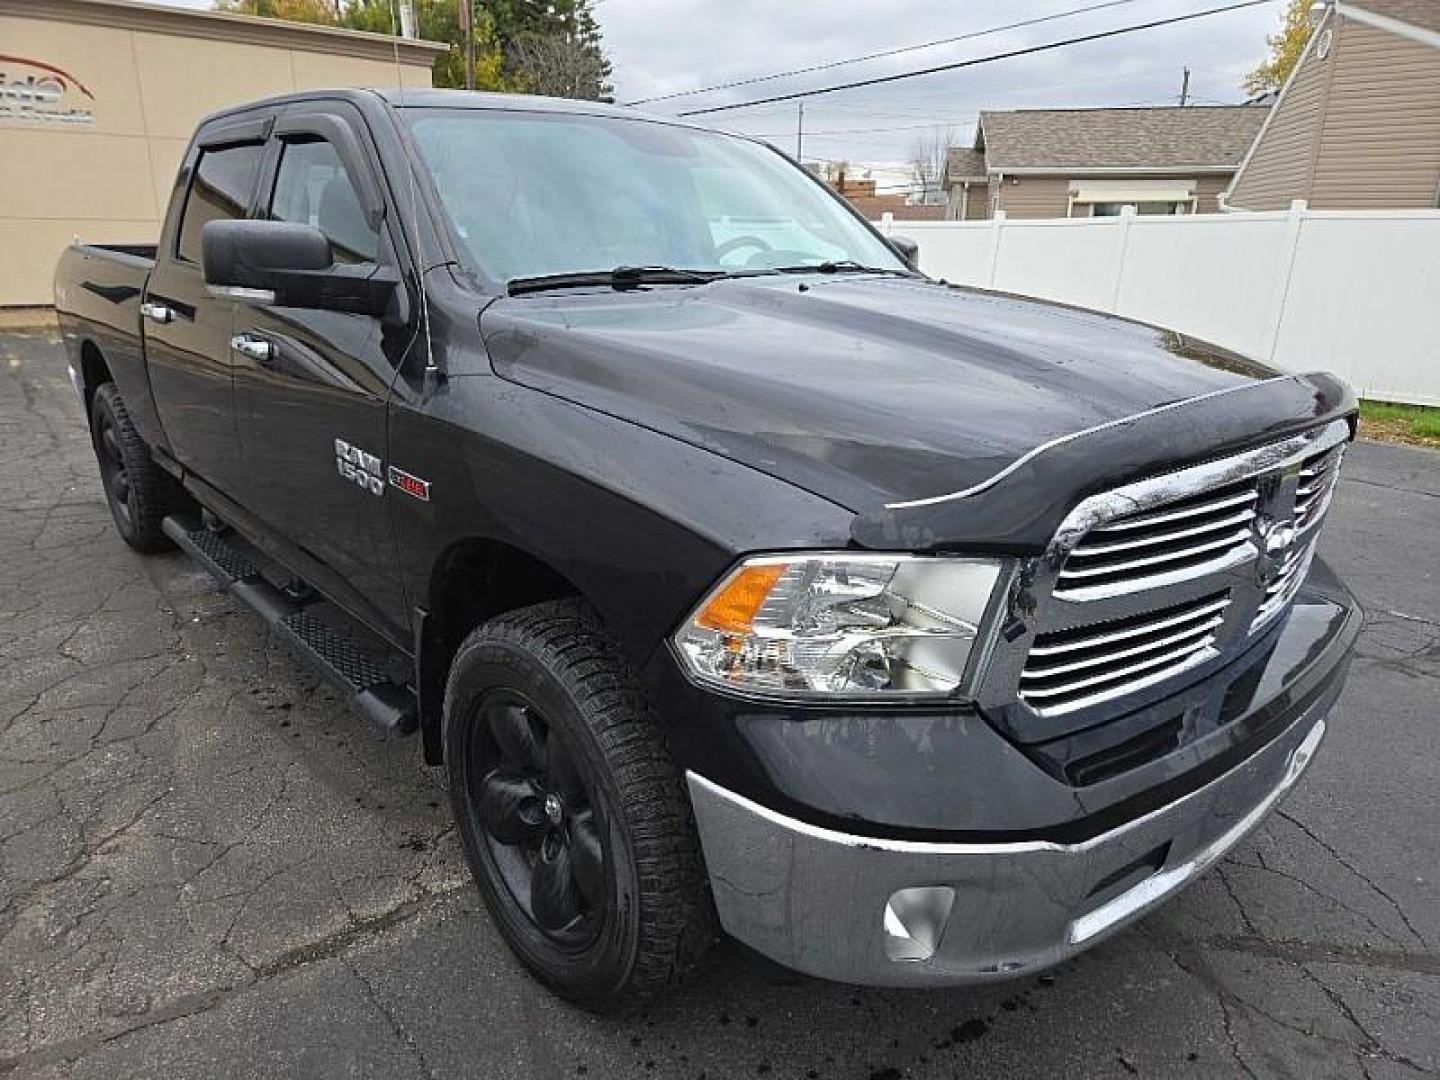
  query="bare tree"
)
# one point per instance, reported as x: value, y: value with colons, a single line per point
x: 559, y: 65
x: 927, y: 165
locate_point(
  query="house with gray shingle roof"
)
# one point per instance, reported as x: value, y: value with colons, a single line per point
x: 1042, y: 163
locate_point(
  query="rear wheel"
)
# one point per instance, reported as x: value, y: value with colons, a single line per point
x: 571, y: 812
x: 137, y: 490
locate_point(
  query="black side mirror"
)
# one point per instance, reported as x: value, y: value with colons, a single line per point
x: 279, y: 262
x: 907, y: 249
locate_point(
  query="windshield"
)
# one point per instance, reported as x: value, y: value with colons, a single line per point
x: 533, y: 194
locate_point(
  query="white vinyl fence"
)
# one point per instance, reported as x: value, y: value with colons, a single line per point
x: 1353, y: 292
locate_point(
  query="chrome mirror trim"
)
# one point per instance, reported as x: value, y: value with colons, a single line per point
x: 241, y: 293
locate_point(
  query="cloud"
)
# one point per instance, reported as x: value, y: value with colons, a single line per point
x: 663, y: 46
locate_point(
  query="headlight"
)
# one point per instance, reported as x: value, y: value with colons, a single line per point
x: 841, y: 624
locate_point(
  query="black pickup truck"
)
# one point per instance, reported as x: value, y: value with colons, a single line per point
x: 739, y: 575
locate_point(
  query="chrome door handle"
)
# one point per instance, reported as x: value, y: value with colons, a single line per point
x: 256, y: 348
x: 160, y: 313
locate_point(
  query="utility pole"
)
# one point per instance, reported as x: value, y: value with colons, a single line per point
x: 1185, y: 88
x: 799, y: 128
x: 467, y: 27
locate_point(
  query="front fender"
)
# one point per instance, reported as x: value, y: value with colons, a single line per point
x: 639, y: 522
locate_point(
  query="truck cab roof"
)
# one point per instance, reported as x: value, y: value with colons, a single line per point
x: 432, y: 98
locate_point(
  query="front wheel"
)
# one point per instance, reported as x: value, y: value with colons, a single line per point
x: 571, y: 812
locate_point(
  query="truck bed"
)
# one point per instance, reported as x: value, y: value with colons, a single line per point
x: 103, y: 285
x: 129, y: 253
x: 98, y: 292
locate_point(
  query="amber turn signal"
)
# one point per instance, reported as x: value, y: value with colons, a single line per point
x: 732, y: 609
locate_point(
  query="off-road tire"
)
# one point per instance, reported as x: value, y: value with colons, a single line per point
x: 659, y: 920
x: 138, y: 492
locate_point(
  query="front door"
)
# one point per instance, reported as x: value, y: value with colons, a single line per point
x: 311, y: 387
x: 187, y: 331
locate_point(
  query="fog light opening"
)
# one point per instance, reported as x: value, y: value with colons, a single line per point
x: 915, y: 921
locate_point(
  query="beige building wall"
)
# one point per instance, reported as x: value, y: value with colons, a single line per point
x: 1358, y: 128
x: 98, y: 161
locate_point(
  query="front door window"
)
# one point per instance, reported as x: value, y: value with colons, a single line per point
x: 312, y: 188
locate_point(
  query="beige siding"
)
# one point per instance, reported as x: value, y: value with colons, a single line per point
x: 1035, y: 196
x: 1380, y: 135
x: 1357, y: 130
x: 1049, y: 196
x: 978, y: 208
x: 1279, y: 167
x: 1207, y: 187
x: 975, y: 203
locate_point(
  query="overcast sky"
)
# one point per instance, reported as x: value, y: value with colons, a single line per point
x: 663, y: 46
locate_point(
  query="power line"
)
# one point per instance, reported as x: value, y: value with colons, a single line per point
x: 961, y: 120
x: 867, y: 110
x: 879, y: 55
x: 879, y: 79
x: 943, y: 99
x: 868, y: 130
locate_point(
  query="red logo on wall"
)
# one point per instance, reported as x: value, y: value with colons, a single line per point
x: 32, y: 91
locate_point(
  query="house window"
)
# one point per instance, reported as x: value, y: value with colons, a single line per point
x: 1112, y: 209
x: 1107, y: 197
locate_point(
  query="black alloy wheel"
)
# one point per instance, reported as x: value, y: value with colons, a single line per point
x: 572, y: 814
x: 112, y: 470
x: 538, y: 819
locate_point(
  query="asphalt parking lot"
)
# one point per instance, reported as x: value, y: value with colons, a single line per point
x: 209, y: 867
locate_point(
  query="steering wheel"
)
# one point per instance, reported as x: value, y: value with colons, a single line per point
x: 735, y: 243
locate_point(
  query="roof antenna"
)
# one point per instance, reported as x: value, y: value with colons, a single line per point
x: 402, y: 24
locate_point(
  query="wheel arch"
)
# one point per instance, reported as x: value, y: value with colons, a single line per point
x: 473, y: 580
x: 94, y: 371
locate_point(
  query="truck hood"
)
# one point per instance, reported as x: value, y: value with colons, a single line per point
x: 868, y: 391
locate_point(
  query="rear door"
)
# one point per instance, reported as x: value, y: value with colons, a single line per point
x: 187, y: 331
x: 311, y: 387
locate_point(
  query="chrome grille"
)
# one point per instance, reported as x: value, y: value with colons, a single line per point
x: 1069, y: 668
x: 1188, y: 536
x: 1317, y: 484
x: 1286, y: 584
x: 1167, y: 575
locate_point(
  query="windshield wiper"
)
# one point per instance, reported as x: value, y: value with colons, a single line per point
x: 621, y: 277
x: 841, y: 266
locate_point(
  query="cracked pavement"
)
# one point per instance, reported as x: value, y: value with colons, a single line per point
x: 210, y: 867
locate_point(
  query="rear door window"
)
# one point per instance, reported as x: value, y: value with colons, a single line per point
x: 223, y: 183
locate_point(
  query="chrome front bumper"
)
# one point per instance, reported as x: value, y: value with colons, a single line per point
x: 906, y: 913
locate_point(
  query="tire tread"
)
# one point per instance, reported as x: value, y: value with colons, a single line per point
x: 677, y: 917
x: 152, y: 490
